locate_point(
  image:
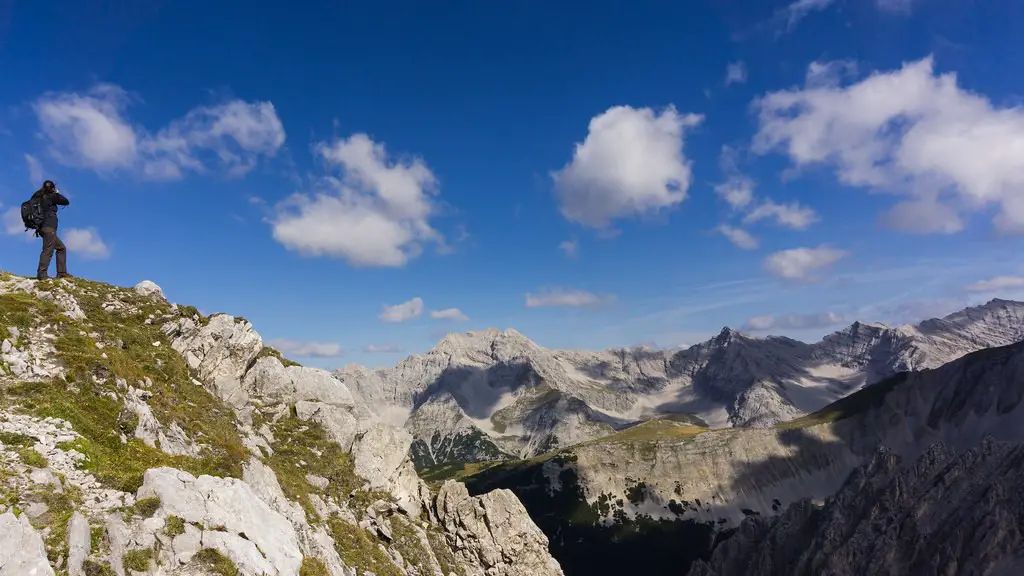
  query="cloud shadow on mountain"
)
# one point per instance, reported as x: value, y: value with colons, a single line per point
x: 473, y: 389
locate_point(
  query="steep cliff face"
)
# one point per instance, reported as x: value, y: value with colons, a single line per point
x: 140, y: 437
x: 665, y: 477
x: 499, y: 393
x: 946, y: 513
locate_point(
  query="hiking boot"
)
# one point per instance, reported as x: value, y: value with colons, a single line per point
x: 64, y: 275
x: 42, y: 278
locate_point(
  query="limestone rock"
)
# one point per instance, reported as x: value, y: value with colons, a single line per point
x: 945, y: 514
x: 78, y: 543
x: 233, y: 504
x: 380, y: 455
x: 339, y: 422
x: 273, y: 382
x: 22, y: 552
x: 493, y: 534
x: 150, y: 289
x: 220, y: 352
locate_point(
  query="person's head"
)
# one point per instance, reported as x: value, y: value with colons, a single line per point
x: 49, y: 186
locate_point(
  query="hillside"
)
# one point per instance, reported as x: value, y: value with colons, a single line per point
x: 140, y: 437
x: 480, y: 396
x: 660, y: 495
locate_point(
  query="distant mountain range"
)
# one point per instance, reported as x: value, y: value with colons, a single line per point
x: 494, y: 394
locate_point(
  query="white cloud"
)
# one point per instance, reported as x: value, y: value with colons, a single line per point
x: 375, y: 215
x: 85, y: 242
x: 737, y: 190
x: 449, y: 314
x: 923, y: 216
x: 35, y: 171
x: 738, y: 236
x: 909, y: 131
x: 997, y: 284
x: 565, y: 297
x: 304, y: 349
x: 794, y: 321
x: 570, y: 247
x: 796, y: 11
x: 630, y: 164
x: 402, y: 312
x: 791, y: 215
x: 735, y: 73
x: 799, y: 263
x: 13, y: 225
x: 91, y: 131
x: 382, y: 348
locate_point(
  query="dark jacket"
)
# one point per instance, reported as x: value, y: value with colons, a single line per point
x: 50, y: 203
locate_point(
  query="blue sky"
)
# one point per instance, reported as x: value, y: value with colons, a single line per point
x: 360, y: 178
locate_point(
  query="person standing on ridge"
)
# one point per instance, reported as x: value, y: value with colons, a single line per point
x: 49, y: 198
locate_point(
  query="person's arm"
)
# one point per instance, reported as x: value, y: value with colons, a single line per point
x: 60, y: 200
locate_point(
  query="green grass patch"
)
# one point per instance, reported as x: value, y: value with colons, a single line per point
x: 93, y: 568
x: 302, y: 448
x: 314, y: 567
x: 174, y: 526
x: 60, y: 507
x: 434, y: 476
x: 216, y: 562
x: 30, y: 457
x: 146, y: 507
x: 443, y: 553
x: 408, y: 544
x: 24, y: 311
x: 12, y: 439
x: 132, y: 347
x: 662, y: 429
x: 273, y: 352
x: 138, y: 559
x: 358, y: 549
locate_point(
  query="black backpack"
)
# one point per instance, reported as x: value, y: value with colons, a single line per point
x: 32, y: 213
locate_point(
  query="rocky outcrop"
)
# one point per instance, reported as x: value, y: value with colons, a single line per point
x: 492, y: 534
x: 947, y: 513
x: 21, y: 548
x: 220, y: 352
x: 251, y: 533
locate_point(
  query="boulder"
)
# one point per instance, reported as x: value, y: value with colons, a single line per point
x: 233, y: 504
x: 22, y: 552
x: 220, y: 352
x: 150, y: 290
x: 492, y: 534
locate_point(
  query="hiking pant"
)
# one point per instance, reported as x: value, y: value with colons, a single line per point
x: 51, y: 243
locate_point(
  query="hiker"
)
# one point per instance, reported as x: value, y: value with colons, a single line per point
x: 48, y: 198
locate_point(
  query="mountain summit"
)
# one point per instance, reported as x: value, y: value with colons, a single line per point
x: 491, y: 393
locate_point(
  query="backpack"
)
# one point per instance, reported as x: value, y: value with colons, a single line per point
x: 32, y: 213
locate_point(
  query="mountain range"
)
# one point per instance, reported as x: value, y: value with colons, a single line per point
x: 494, y: 394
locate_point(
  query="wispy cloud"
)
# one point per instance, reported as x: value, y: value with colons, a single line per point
x: 997, y: 284
x: 453, y: 314
x: 800, y: 263
x: 383, y: 349
x: 794, y: 321
x: 735, y: 73
x: 565, y: 298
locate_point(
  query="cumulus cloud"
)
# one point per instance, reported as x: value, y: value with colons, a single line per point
x: 376, y: 213
x: 571, y: 248
x: 630, y: 164
x: 13, y: 225
x: 565, y: 298
x: 800, y: 263
x: 85, y: 242
x: 735, y: 73
x: 738, y: 191
x: 997, y: 284
x: 402, y: 312
x: 908, y: 131
x: 305, y: 349
x: 449, y: 314
x: 91, y: 130
x: 791, y: 215
x: 382, y: 348
x: 738, y: 236
x: 794, y: 321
